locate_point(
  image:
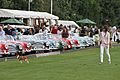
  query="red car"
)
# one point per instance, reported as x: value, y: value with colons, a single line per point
x: 74, y: 42
x: 65, y: 42
x: 68, y: 44
x: 3, y: 49
x: 20, y: 46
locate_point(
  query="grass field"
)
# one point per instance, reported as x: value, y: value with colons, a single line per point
x: 78, y: 65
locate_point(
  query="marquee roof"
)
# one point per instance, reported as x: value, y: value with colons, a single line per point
x: 67, y: 23
x: 26, y: 14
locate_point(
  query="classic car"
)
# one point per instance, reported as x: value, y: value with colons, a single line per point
x: 3, y: 47
x: 90, y: 41
x: 16, y: 46
x: 65, y: 43
x: 53, y: 44
x: 37, y: 45
x: 56, y: 43
x: 75, y: 42
x: 81, y: 40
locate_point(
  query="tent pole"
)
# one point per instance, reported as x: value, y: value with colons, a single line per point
x: 51, y: 6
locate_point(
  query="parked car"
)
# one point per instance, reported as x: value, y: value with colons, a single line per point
x: 75, y: 42
x: 16, y: 46
x: 55, y: 41
x: 67, y: 43
x: 90, y: 41
x: 37, y: 45
x: 81, y: 40
x: 53, y: 44
x: 3, y: 47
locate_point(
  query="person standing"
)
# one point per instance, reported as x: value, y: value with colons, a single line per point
x: 2, y: 33
x: 54, y: 29
x: 104, y: 44
x: 65, y: 32
x: 8, y: 30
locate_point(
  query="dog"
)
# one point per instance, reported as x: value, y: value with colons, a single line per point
x: 22, y: 58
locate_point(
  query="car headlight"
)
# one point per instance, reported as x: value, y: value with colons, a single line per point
x: 62, y: 42
x: 72, y: 42
x: 69, y: 46
x: 65, y: 44
x: 78, y: 41
x: 33, y: 47
x: 28, y: 45
x: 43, y: 47
x: 6, y: 46
x: 57, y: 44
x: 20, y: 46
x: 47, y: 43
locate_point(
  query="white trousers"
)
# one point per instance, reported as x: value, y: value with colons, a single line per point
x: 102, y: 47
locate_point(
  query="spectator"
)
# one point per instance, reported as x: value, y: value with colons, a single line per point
x: 91, y: 33
x: 54, y: 29
x: 20, y: 32
x: 82, y: 33
x: 96, y: 36
x: 96, y: 31
x: 8, y: 30
x: 59, y: 31
x: 118, y: 36
x: 75, y: 30
x: 14, y: 33
x: 2, y: 33
x: 60, y: 27
x: 26, y: 32
x: 31, y: 31
x: 65, y: 33
x: 37, y: 29
x: 114, y: 33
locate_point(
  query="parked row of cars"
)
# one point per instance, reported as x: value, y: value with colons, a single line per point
x: 42, y: 42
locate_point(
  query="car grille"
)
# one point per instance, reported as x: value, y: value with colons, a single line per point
x: 1, y: 52
x: 12, y: 49
x: 38, y: 45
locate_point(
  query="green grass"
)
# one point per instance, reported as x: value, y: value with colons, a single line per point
x: 78, y: 65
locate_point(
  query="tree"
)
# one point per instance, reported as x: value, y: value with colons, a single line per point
x: 96, y: 10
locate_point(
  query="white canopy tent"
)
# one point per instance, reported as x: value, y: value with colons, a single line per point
x: 19, y: 26
x: 5, y: 14
x: 67, y: 23
x: 26, y: 14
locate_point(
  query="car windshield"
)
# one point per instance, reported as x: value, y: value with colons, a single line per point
x: 58, y: 36
x: 41, y: 36
x: 9, y: 37
x: 72, y: 34
x: 46, y: 36
x: 2, y: 38
x: 49, y: 36
x: 38, y: 37
x: 26, y: 38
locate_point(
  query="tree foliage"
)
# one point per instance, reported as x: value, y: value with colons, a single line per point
x: 96, y: 10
